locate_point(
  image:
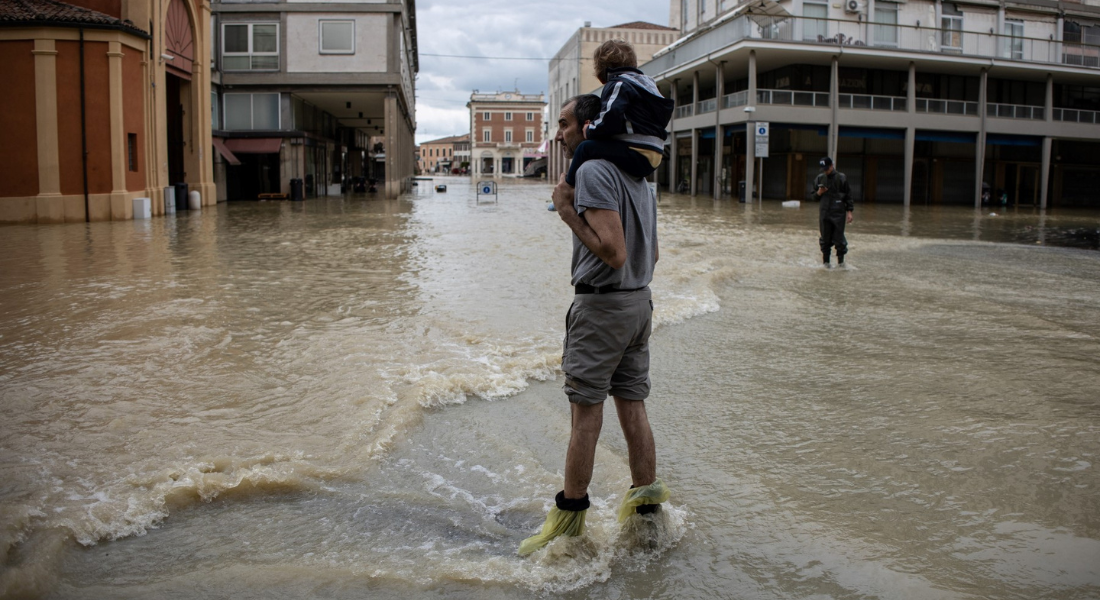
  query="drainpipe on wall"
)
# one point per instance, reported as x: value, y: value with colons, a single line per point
x: 84, y: 134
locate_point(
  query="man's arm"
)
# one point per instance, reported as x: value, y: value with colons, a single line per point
x: 599, y: 229
x: 849, y: 204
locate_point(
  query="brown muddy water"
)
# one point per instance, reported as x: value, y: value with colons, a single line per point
x: 356, y: 398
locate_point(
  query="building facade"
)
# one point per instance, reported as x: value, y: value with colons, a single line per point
x: 505, y: 132
x: 462, y: 153
x: 314, y: 94
x: 572, y: 73
x: 438, y: 156
x: 107, y: 101
x: 919, y: 101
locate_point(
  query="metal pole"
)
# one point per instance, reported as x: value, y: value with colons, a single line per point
x: 760, y: 184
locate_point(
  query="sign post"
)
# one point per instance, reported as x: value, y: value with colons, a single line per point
x: 762, y: 130
x: 486, y: 188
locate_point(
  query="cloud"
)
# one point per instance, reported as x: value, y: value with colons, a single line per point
x: 500, y: 28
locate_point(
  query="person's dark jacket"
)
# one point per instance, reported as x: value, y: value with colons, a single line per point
x: 633, y: 110
x: 837, y: 198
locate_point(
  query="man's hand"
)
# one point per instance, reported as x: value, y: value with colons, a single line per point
x: 563, y: 197
x: 849, y: 216
x: 821, y: 190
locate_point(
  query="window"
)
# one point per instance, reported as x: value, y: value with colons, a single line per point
x: 215, y: 112
x: 507, y: 116
x: 952, y: 25
x: 337, y: 37
x: 131, y: 151
x: 530, y: 135
x: 486, y: 135
x: 1014, y: 42
x: 252, y: 111
x: 250, y: 47
x: 486, y: 116
x: 530, y: 116
x: 702, y: 9
x: 814, y: 25
x: 684, y: 13
x: 507, y: 135
x: 886, y: 28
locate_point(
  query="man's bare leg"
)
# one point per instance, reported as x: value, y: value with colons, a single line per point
x: 641, y: 451
x: 579, y: 458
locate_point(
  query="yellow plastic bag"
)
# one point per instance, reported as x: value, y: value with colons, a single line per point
x: 558, y: 522
x: 654, y: 493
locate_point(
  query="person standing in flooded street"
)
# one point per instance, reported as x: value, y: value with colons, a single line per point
x: 832, y: 191
x: 613, y: 217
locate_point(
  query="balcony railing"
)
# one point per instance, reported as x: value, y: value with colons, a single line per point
x: 906, y: 38
x: 948, y: 107
x: 792, y: 98
x: 735, y: 99
x: 1016, y: 111
x: 1072, y: 115
x: 684, y: 111
x: 707, y: 106
x: 866, y: 102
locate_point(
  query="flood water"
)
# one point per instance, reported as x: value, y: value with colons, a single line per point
x: 355, y: 398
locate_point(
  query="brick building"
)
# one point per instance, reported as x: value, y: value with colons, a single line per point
x: 505, y: 132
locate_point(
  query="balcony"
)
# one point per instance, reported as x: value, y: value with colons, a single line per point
x: 735, y: 99
x: 687, y: 110
x: 1016, y: 111
x: 948, y: 107
x: 1070, y: 115
x: 887, y: 38
x: 793, y: 98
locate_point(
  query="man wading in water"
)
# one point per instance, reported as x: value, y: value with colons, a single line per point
x: 832, y: 191
x: 613, y: 217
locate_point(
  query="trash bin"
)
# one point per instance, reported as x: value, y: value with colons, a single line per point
x: 297, y: 190
x: 741, y: 190
x: 181, y: 196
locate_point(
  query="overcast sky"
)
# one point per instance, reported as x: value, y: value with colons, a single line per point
x: 500, y: 28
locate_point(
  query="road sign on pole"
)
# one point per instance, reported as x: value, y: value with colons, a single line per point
x: 486, y: 188
x: 762, y: 130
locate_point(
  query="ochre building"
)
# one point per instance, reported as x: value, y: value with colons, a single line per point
x: 106, y: 101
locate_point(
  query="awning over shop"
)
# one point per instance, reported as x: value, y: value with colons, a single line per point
x: 226, y: 153
x: 254, y: 145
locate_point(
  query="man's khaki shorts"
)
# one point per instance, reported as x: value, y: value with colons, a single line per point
x: 607, y: 346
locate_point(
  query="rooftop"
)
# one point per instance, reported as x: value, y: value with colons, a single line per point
x: 642, y: 25
x: 52, y: 12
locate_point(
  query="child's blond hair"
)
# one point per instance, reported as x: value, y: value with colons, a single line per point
x: 613, y: 54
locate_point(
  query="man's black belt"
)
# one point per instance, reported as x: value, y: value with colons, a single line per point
x: 584, y: 288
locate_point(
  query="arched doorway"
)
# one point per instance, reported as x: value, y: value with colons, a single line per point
x: 180, y: 46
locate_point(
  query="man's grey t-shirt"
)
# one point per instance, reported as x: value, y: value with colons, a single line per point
x: 601, y: 184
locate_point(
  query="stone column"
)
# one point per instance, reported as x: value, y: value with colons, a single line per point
x: 391, y: 119
x: 673, y: 146
x: 750, y: 131
x: 1045, y: 177
x: 119, y: 208
x: 910, y: 134
x: 910, y: 142
x: 694, y: 133
x: 834, y: 103
x: 48, y: 206
x: 979, y: 151
x: 694, y: 160
x: 720, y: 90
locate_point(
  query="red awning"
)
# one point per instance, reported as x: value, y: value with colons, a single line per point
x: 226, y: 153
x: 255, y: 145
